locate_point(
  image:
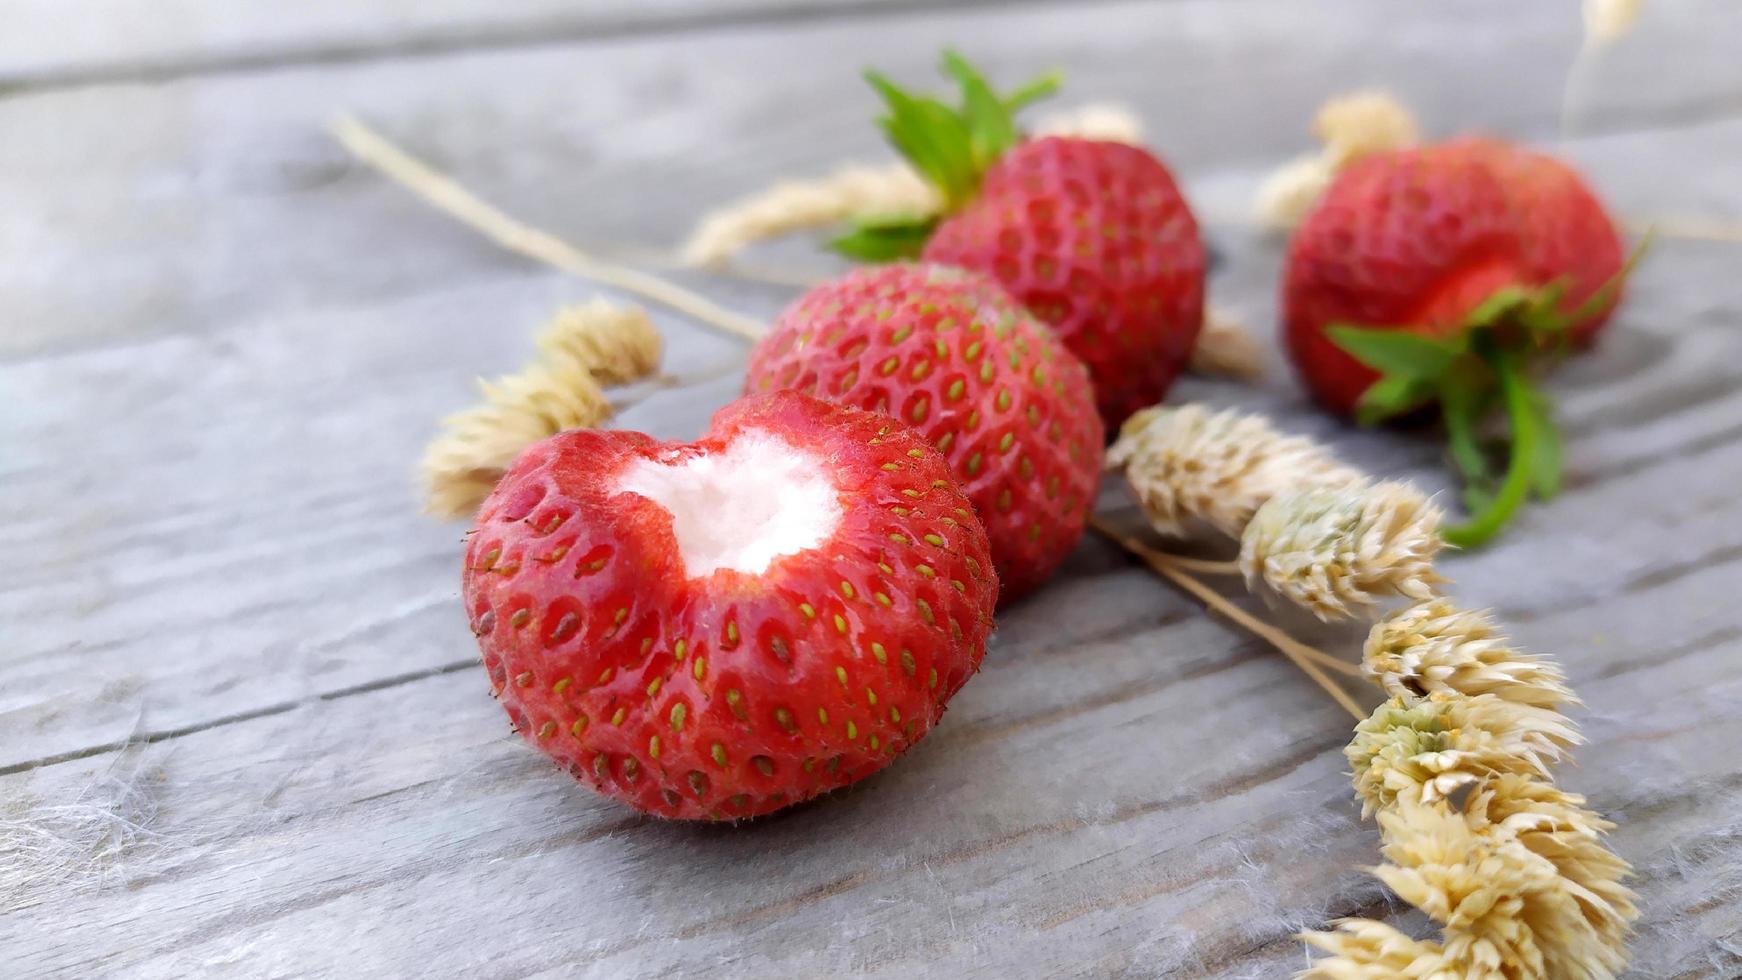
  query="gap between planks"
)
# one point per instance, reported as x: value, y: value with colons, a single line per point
x: 438, y: 41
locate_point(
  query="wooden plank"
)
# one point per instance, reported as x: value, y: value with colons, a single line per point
x: 253, y: 573
x: 1143, y: 790
x: 203, y: 203
x: 80, y: 42
x: 222, y: 428
x: 227, y: 347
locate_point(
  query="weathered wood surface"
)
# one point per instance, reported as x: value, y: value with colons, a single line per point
x: 221, y: 346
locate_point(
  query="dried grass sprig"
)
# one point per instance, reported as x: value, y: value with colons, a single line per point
x: 583, y: 350
x: 855, y: 191
x: 1556, y: 826
x: 1349, y: 127
x: 1191, y: 464
x: 1608, y: 21
x: 1501, y: 907
x: 1436, y: 648
x: 1107, y: 121
x: 1430, y: 748
x: 1518, y: 880
x: 516, y: 236
x: 1515, y: 872
x: 859, y: 192
x: 1362, y: 949
x: 1225, y: 348
x: 1340, y: 550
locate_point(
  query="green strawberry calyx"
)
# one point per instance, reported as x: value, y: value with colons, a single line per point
x: 950, y: 146
x: 1486, y: 366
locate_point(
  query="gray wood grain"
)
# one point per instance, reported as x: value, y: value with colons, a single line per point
x: 51, y: 43
x: 175, y: 195
x: 221, y: 347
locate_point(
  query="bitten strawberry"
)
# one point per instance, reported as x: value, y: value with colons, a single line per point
x: 717, y: 629
x: 1567, y: 234
x: 1093, y: 237
x: 1420, y: 279
x: 950, y: 353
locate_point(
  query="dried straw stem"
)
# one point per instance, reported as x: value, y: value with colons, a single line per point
x: 1307, y: 658
x: 514, y: 235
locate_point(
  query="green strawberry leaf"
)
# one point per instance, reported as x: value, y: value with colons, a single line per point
x: 1033, y: 91
x: 1464, y: 406
x: 950, y: 147
x: 1396, y: 351
x: 1525, y: 454
x: 1550, y: 453
x: 1605, y: 294
x: 885, y: 240
x: 1391, y: 396
x: 1504, y: 304
x: 991, y: 125
x: 932, y: 136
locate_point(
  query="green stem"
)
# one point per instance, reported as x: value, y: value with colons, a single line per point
x: 1515, y: 488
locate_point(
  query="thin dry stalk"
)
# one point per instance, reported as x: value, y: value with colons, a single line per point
x: 514, y: 235
x: 1300, y: 654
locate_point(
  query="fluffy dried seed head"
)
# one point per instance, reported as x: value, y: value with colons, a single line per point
x: 1555, y: 826
x: 1105, y: 121
x: 1362, y: 949
x: 582, y: 349
x: 851, y: 192
x: 1291, y: 190
x: 1190, y: 464
x: 1363, y: 123
x: 1349, y: 127
x: 1430, y: 748
x: 1226, y: 349
x: 1610, y: 20
x: 614, y: 344
x: 1435, y: 647
x: 858, y: 192
x: 1339, y: 550
x: 1498, y: 903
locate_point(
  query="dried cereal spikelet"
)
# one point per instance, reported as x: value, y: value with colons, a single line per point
x: 1499, y: 905
x: 863, y: 192
x: 1362, y: 949
x: 1107, y: 121
x: 1226, y: 349
x: 1431, y: 748
x: 1434, y: 647
x: 1336, y: 551
x: 1556, y: 826
x: 1190, y: 464
x: 583, y: 349
x: 1349, y: 127
x: 852, y: 192
x: 1362, y: 123
x: 614, y: 344
x: 1607, y: 21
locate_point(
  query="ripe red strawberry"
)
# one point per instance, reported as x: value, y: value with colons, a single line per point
x: 1096, y: 240
x: 1435, y: 277
x: 1408, y: 239
x: 1093, y: 237
x: 1568, y: 234
x: 722, y: 628
x: 951, y: 354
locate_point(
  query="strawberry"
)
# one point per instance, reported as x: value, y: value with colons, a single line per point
x: 1421, y: 278
x: 717, y: 629
x: 1568, y: 235
x: 950, y: 353
x: 1092, y: 236
x: 1409, y: 238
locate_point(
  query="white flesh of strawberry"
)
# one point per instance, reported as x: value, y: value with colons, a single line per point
x: 742, y: 508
